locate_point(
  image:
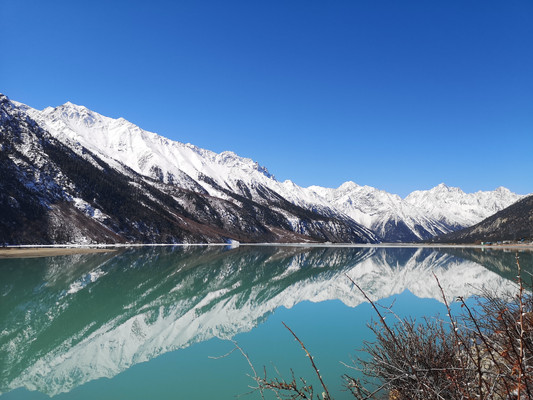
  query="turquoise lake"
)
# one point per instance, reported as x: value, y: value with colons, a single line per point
x: 154, y: 322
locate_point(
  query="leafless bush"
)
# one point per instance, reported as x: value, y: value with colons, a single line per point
x: 483, y: 354
x: 295, y: 388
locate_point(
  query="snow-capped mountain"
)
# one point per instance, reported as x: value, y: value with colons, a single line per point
x: 62, y: 177
x: 241, y: 199
x: 421, y: 215
x: 512, y: 223
x: 119, y: 142
x: 388, y: 215
x: 456, y: 208
x: 167, y: 299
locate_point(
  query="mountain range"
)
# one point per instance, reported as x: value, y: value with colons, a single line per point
x: 513, y: 223
x: 72, y: 175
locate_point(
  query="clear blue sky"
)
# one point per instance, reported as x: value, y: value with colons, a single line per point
x: 399, y: 95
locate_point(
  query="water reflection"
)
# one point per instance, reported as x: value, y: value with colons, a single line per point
x: 71, y: 319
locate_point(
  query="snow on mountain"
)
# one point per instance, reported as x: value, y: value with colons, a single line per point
x: 119, y: 141
x: 421, y: 215
x: 177, y: 307
x: 386, y: 214
x: 223, y: 175
x: 458, y: 209
x: 371, y: 213
x: 512, y: 223
x: 126, y: 184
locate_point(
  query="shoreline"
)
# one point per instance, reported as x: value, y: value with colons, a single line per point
x: 33, y: 251
x: 37, y: 251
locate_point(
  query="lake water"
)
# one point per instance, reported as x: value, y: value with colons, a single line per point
x: 151, y: 323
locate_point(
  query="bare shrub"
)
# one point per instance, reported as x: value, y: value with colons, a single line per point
x: 482, y: 354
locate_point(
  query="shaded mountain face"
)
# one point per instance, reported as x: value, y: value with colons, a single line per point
x: 57, y: 190
x: 34, y: 191
x: 512, y: 223
x: 95, y: 315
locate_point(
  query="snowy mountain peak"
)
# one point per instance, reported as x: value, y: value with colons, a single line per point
x: 10, y: 108
x: 501, y: 189
x: 5, y: 102
x: 76, y: 112
x: 350, y: 188
x: 443, y: 188
x: 230, y: 159
x: 217, y: 191
x: 349, y: 185
x: 79, y: 177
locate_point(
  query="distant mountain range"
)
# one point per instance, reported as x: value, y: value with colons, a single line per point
x: 71, y: 175
x: 513, y: 223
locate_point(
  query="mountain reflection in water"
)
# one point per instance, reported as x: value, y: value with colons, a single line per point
x: 71, y: 319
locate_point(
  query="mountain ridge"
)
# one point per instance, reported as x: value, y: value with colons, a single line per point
x: 513, y: 223
x: 101, y: 199
x: 363, y: 213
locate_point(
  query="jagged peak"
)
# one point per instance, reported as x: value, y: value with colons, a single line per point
x: 77, y: 116
x: 502, y: 189
x: 348, y: 185
x: 228, y: 154
x: 71, y: 108
x: 70, y: 104
x: 230, y: 158
x: 442, y: 187
x: 352, y: 186
x: 11, y: 107
x: 288, y: 182
x: 5, y: 101
x: 3, y: 98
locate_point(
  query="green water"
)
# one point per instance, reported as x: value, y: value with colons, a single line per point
x: 149, y: 323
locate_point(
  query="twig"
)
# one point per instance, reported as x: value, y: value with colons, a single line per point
x: 237, y: 347
x: 458, y: 340
x: 328, y: 397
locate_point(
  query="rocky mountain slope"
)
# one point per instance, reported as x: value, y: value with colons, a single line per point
x: 57, y: 190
